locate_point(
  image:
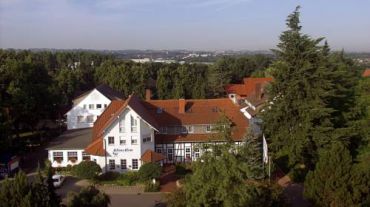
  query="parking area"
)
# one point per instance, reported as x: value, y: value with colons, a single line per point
x: 118, y: 197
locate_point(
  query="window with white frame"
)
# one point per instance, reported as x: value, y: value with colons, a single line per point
x: 91, y: 106
x: 133, y: 140
x: 147, y: 139
x: 170, y: 154
x: 85, y: 156
x: 122, y: 140
x: 85, y: 107
x: 135, y: 164
x: 72, y: 156
x: 208, y: 128
x: 187, y: 153
x: 133, y: 124
x: 196, y: 152
x: 80, y: 119
x: 122, y: 125
x: 190, y: 129
x: 183, y: 129
x: 58, y: 156
x: 111, y: 140
x: 112, y: 164
x: 105, y: 105
x: 163, y: 130
x: 90, y: 119
x: 98, y: 106
x: 123, y: 164
x: 159, y: 151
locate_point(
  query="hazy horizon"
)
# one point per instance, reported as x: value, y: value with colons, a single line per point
x: 208, y: 25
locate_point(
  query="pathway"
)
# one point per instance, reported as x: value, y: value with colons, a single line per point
x: 168, y: 179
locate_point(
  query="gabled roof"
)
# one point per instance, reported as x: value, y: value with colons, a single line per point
x: 366, y: 73
x: 249, y: 86
x: 103, y: 89
x: 96, y: 148
x: 163, y: 113
x: 151, y: 156
x: 115, y: 108
x: 109, y: 92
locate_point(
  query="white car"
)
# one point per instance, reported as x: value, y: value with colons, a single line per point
x: 58, y: 180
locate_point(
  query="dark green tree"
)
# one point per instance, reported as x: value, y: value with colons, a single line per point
x: 300, y: 118
x: 251, y: 154
x: 329, y: 183
x: 22, y: 193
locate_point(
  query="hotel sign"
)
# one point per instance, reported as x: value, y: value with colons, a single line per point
x: 117, y: 151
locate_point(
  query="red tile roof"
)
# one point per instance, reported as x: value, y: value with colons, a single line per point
x: 151, y: 156
x: 366, y: 73
x: 248, y: 87
x: 160, y: 113
x: 96, y: 148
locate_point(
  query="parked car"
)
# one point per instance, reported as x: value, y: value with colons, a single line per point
x: 58, y: 180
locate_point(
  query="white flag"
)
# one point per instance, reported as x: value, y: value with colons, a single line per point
x: 265, y: 150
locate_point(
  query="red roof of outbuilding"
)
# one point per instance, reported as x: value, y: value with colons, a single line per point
x: 248, y: 87
x: 366, y: 73
x: 151, y: 156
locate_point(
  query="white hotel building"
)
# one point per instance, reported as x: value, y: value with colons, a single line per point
x: 132, y: 132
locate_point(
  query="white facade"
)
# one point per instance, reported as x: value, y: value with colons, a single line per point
x: 125, y: 141
x: 63, y: 157
x: 85, y: 112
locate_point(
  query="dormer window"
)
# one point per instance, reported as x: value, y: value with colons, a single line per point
x: 183, y: 130
x: 163, y: 130
x: 208, y: 128
x: 190, y: 129
x: 133, y: 124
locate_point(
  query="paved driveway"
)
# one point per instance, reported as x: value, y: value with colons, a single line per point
x: 71, y: 184
x: 135, y: 200
x: 118, y: 197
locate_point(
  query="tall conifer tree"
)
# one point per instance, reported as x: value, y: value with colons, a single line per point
x: 298, y: 120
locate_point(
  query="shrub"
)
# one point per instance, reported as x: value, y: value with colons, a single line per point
x: 109, y: 176
x: 176, y: 198
x: 149, y: 171
x: 182, y: 169
x: 151, y: 187
x: 88, y: 196
x: 128, y: 178
x: 86, y: 170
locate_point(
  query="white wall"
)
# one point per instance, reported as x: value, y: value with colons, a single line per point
x: 65, y: 161
x: 94, y: 97
x: 127, y: 151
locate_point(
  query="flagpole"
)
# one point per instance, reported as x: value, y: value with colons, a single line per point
x: 269, y: 169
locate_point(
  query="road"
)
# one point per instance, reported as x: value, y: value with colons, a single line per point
x: 134, y: 200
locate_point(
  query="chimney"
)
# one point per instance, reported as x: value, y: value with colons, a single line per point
x: 148, y: 94
x: 258, y: 90
x: 182, y: 104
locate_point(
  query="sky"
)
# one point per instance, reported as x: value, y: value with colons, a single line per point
x: 178, y: 24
